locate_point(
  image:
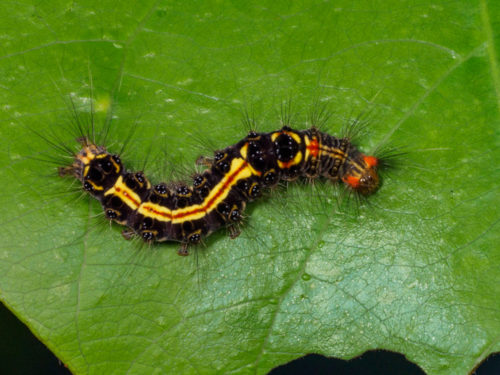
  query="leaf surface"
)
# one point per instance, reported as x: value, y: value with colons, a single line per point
x: 415, y: 269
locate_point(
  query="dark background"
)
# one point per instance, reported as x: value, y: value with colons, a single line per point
x: 22, y: 354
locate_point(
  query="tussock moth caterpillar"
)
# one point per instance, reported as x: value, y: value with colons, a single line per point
x: 218, y: 196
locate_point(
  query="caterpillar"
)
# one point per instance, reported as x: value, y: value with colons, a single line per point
x: 217, y: 198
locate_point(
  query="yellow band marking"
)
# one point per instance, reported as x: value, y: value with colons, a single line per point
x: 127, y: 195
x: 287, y: 164
x: 292, y: 134
x: 239, y: 170
x: 244, y: 154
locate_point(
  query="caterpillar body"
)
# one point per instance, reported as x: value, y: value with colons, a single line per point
x: 218, y: 196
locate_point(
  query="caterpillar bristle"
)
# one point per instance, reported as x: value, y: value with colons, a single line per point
x: 217, y: 197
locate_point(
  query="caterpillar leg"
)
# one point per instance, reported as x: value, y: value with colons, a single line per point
x: 234, y: 231
x: 183, y: 250
x: 128, y: 234
x: 205, y: 161
x: 65, y: 171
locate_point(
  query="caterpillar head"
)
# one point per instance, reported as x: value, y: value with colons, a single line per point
x: 94, y: 167
x: 361, y: 174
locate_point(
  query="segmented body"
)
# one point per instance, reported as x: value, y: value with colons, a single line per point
x: 217, y: 198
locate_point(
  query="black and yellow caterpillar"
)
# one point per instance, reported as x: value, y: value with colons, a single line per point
x: 217, y: 198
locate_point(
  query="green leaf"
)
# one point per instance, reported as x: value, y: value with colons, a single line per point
x: 415, y: 269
